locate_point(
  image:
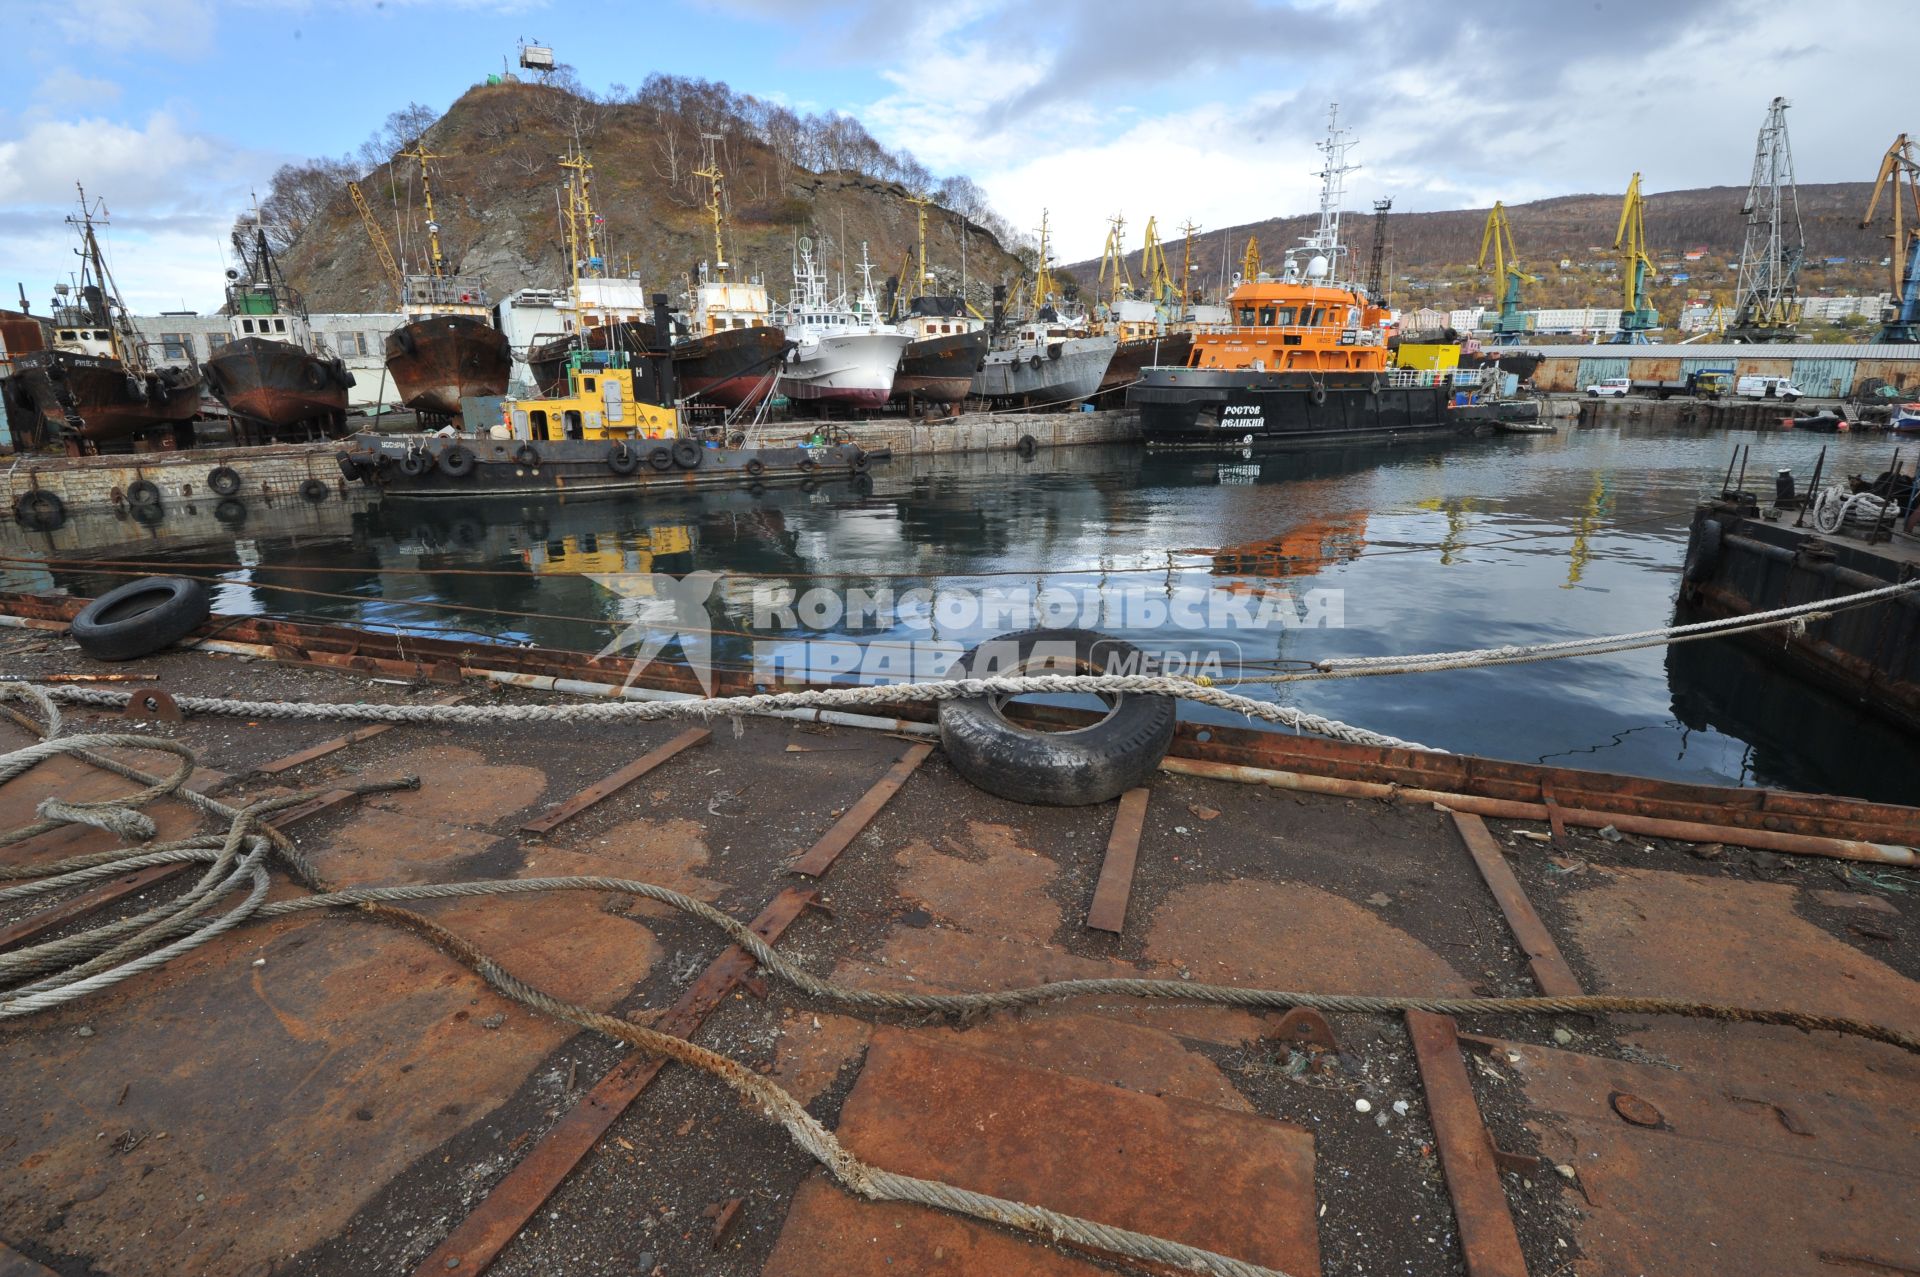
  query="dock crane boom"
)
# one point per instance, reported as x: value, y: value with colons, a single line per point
x: 1497, y: 237
x: 1637, y: 315
x: 1768, y: 301
x: 380, y: 246
x: 1115, y: 282
x: 1899, y: 180
x: 1153, y: 267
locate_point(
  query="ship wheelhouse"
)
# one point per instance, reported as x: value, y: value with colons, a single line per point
x: 1282, y: 325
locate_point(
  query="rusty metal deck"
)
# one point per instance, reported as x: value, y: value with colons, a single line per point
x: 324, y: 1095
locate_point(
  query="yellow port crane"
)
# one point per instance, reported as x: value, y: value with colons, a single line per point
x: 380, y: 246
x: 1250, y: 263
x: 436, y: 264
x: 1899, y: 180
x: 1153, y: 269
x: 1497, y: 237
x: 1115, y: 283
x: 1637, y: 315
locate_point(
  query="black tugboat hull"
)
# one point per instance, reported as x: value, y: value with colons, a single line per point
x: 94, y: 398
x: 278, y: 385
x: 1221, y: 407
x: 412, y: 466
x: 940, y: 369
x: 437, y: 361
x: 1134, y: 356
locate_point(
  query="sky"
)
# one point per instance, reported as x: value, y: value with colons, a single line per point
x: 172, y: 111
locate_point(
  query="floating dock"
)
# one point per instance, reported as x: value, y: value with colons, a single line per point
x: 325, y: 1093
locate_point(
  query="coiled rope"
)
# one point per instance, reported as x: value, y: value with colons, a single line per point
x: 64, y: 970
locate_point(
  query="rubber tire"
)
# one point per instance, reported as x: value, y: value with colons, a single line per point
x: 756, y: 467
x: 687, y: 454
x: 231, y: 511
x: 1703, y: 551
x: 622, y: 459
x: 181, y: 607
x: 224, y: 480
x: 527, y: 456
x: 349, y: 468
x: 660, y: 457
x: 809, y: 465
x: 39, y: 510
x: 458, y: 461
x: 1061, y: 769
x: 858, y: 463
x: 414, y: 464
x: 143, y: 492
x: 1318, y: 395
x: 314, y: 490
x: 1027, y: 446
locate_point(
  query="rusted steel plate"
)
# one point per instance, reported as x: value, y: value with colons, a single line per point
x: 14, y: 1264
x: 1110, y: 894
x: 1550, y: 969
x: 334, y: 746
x: 560, y: 813
x: 484, y: 1233
x: 94, y: 899
x: 1784, y: 811
x: 823, y: 853
x: 1683, y: 1171
x: 1487, y: 1234
x: 1232, y: 1182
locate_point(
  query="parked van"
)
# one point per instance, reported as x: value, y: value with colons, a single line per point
x: 1755, y: 387
x: 1611, y: 388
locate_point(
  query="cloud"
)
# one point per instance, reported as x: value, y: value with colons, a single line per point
x: 144, y: 27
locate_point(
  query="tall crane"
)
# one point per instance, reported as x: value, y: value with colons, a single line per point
x: 1637, y: 315
x: 381, y: 249
x: 1497, y: 237
x: 1188, y: 229
x: 1250, y: 261
x: 1767, y: 301
x: 1899, y: 180
x: 1377, y: 256
x: 1115, y: 282
x: 1153, y: 269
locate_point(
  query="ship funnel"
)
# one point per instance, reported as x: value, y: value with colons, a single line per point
x: 1317, y: 267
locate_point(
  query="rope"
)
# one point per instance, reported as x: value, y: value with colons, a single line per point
x: 730, y: 706
x: 75, y: 966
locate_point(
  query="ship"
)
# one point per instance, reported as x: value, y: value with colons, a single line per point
x: 447, y: 349
x: 1304, y: 356
x: 272, y: 374
x: 946, y: 346
x: 843, y: 353
x: 1052, y: 360
x: 86, y: 379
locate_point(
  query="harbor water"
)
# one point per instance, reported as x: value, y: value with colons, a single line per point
x: 1357, y: 551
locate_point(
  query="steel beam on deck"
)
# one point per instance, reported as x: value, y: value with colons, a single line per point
x: 1110, y: 894
x: 1487, y: 1235
x: 503, y: 1212
x: 1550, y: 969
x: 836, y: 840
x: 560, y: 813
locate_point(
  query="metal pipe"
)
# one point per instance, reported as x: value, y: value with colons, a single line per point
x: 1813, y: 489
x: 1510, y: 809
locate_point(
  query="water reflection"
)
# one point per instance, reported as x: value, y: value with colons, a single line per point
x: 1422, y: 548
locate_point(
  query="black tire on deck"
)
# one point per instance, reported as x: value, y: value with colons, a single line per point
x: 1064, y: 769
x: 140, y: 617
x: 39, y: 510
x: 458, y: 461
x: 660, y: 457
x: 314, y: 490
x: 143, y: 492
x: 224, y: 480
x: 687, y: 454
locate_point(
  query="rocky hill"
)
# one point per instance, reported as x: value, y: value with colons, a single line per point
x: 496, y: 181
x: 1433, y: 254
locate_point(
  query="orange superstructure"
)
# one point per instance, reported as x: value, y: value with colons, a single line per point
x: 1282, y: 325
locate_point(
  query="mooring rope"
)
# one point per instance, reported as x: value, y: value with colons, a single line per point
x: 64, y: 970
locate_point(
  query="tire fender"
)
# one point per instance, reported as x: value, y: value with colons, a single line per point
x: 458, y: 461
x: 141, y: 617
x: 1703, y: 551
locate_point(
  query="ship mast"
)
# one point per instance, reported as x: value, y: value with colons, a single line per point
x: 436, y: 264
x: 1188, y: 228
x: 120, y: 334
x: 1325, y: 240
x: 921, y: 276
x: 710, y: 169
x: 1042, y: 273
x: 580, y: 212
x: 1113, y: 261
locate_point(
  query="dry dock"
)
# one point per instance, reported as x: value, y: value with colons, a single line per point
x: 329, y: 1093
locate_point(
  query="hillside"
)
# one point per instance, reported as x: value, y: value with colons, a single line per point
x: 1433, y: 254
x: 496, y: 179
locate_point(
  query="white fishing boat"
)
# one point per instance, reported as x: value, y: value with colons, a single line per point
x: 1053, y: 359
x: 842, y: 353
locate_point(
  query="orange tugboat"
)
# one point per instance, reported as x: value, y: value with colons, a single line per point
x: 1304, y: 355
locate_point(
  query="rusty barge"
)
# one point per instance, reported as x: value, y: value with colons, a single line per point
x: 434, y: 1126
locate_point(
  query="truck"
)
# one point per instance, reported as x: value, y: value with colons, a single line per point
x: 1706, y: 383
x: 1758, y: 387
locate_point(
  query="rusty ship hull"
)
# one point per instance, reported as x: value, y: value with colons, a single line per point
x: 95, y: 399
x: 940, y: 369
x: 438, y: 360
x: 1131, y: 356
x: 548, y: 360
x: 279, y: 385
